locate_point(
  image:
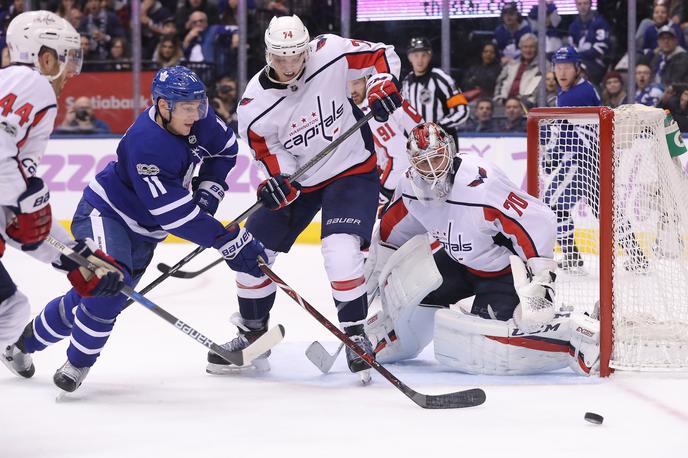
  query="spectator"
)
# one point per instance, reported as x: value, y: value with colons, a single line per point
x: 660, y: 18
x: 153, y: 13
x: 647, y: 92
x: 482, y: 120
x: 80, y: 120
x: 551, y: 89
x: 224, y: 101
x: 168, y: 52
x: 119, y: 56
x: 508, y: 34
x: 552, y: 21
x: 613, y: 93
x: 87, y: 54
x: 514, y: 120
x: 198, y: 44
x: 431, y: 91
x: 670, y: 62
x: 65, y: 7
x: 483, y: 76
x: 589, y: 33
x: 75, y: 16
x: 679, y: 110
x: 520, y: 78
x: 191, y: 6
x: 101, y: 25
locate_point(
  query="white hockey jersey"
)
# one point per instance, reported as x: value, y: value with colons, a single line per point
x: 390, y: 142
x: 285, y: 126
x: 485, y: 219
x: 28, y: 108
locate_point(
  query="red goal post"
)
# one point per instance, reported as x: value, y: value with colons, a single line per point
x: 605, y: 117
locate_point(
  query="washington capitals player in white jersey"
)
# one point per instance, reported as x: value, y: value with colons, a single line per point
x: 290, y: 111
x: 140, y: 198
x: 44, y: 54
x: 490, y: 240
x: 390, y: 139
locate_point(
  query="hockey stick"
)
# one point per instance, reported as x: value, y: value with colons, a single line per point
x: 295, y: 176
x: 458, y: 399
x: 239, y: 358
x: 320, y: 357
x: 164, y: 268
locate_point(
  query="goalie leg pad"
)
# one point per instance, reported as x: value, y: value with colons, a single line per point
x: 477, y: 345
x: 407, y: 277
x: 585, y: 345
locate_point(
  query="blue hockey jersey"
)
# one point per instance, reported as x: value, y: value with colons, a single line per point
x: 590, y: 38
x: 581, y: 94
x: 147, y: 187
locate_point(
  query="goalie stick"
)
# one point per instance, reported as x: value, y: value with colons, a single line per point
x: 459, y: 399
x: 239, y: 358
x: 248, y: 212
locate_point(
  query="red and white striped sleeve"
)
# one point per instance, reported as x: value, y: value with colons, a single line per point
x: 364, y: 58
x: 526, y: 221
x: 397, y: 225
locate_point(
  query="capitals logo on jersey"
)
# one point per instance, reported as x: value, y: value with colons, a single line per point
x: 480, y: 179
x: 314, y: 124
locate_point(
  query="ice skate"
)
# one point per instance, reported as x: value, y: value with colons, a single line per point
x: 249, y: 331
x: 68, y: 378
x: 18, y: 361
x: 356, y: 364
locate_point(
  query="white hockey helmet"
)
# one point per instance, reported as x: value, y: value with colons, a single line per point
x: 431, y: 153
x: 30, y: 31
x: 286, y: 36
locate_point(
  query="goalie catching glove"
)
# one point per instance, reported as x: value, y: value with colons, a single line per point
x: 106, y: 280
x: 534, y: 285
x: 33, y: 217
x: 241, y: 251
x: 383, y: 96
x: 277, y: 192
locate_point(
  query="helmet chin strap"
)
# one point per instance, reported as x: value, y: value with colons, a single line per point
x: 165, y: 122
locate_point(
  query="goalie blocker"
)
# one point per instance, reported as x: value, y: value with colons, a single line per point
x: 414, y: 283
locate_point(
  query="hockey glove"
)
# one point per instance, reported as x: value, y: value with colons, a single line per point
x: 534, y: 286
x: 383, y: 96
x: 277, y: 192
x: 107, y: 280
x: 241, y: 251
x: 33, y: 219
x: 207, y: 194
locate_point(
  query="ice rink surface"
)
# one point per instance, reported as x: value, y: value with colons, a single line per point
x: 149, y: 396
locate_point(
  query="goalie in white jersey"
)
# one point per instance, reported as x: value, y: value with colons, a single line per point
x: 44, y: 53
x: 456, y: 228
x: 291, y: 111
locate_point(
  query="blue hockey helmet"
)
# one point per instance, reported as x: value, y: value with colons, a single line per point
x: 566, y: 54
x: 179, y: 84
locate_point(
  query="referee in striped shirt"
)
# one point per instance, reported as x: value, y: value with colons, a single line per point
x: 431, y: 91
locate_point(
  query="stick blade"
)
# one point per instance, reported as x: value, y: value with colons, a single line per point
x: 457, y: 400
x: 263, y: 344
x: 320, y: 358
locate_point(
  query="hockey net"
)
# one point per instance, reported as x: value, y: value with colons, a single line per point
x: 621, y: 202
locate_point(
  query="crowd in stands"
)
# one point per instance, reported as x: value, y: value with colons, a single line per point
x: 504, y: 81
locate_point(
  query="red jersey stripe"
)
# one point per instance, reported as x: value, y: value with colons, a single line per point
x: 512, y: 227
x: 369, y: 59
x: 364, y: 167
x: 395, y: 213
x: 263, y: 154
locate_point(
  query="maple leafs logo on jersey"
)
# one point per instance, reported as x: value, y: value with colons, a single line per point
x: 245, y: 101
x: 321, y: 43
x: 480, y: 179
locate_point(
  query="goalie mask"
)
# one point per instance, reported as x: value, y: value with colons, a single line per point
x: 286, y: 49
x: 431, y: 153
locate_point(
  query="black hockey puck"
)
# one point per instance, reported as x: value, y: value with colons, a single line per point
x: 593, y: 418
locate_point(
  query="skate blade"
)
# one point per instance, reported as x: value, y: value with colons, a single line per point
x: 256, y: 366
x: 62, y: 396
x: 366, y: 379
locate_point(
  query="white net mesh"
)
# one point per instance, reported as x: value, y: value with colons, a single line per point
x: 650, y: 225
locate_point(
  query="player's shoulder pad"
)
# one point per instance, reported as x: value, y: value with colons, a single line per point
x: 474, y: 176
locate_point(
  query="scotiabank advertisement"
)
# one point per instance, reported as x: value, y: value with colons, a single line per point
x: 111, y: 95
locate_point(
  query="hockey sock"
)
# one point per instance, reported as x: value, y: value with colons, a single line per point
x: 256, y: 308
x: 352, y: 311
x: 53, y: 324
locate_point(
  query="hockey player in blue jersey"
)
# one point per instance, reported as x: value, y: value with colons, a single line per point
x: 140, y: 198
x: 589, y: 33
x: 574, y: 171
